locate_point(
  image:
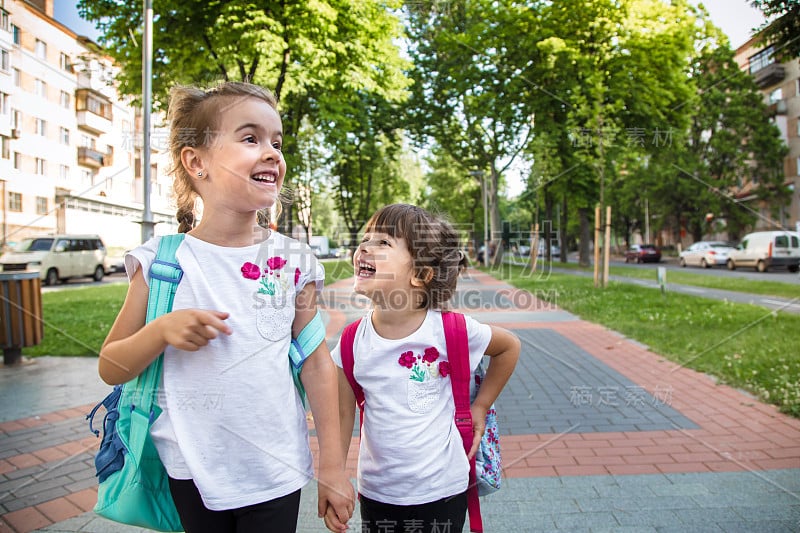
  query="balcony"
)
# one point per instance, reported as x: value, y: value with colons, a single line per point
x: 88, y: 157
x: 93, y: 111
x: 93, y: 123
x: 769, y: 75
x: 777, y: 108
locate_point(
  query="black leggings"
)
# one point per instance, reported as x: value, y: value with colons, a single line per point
x: 448, y: 514
x: 275, y: 516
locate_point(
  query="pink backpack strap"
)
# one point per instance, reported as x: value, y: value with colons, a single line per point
x: 346, y: 343
x: 457, y: 341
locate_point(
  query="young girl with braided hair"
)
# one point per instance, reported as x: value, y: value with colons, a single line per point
x: 412, y: 469
x: 233, y: 432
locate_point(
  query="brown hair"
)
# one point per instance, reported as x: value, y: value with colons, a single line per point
x: 433, y: 244
x: 193, y: 116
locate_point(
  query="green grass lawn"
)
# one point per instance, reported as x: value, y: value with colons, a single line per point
x: 742, y: 345
x: 764, y: 287
x: 336, y: 269
x: 76, y: 321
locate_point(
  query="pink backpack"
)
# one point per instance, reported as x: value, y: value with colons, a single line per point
x: 487, y: 478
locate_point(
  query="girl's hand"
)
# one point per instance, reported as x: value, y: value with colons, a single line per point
x: 478, y: 428
x: 332, y: 522
x: 336, y: 498
x: 191, y: 329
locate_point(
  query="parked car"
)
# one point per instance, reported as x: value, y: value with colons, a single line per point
x: 555, y: 249
x: 58, y: 257
x: 706, y: 254
x: 643, y: 253
x: 767, y: 249
x: 115, y: 263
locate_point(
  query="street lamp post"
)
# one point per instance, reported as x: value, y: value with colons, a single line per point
x: 147, y: 60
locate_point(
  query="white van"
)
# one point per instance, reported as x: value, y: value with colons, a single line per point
x: 766, y: 249
x: 58, y: 257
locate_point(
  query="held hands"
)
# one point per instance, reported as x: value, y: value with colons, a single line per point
x: 336, y: 499
x: 191, y: 329
x: 478, y: 427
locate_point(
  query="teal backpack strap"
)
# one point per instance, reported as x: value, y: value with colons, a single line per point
x: 304, y: 345
x: 165, y: 274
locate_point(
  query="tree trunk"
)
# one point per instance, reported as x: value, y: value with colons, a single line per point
x: 563, y: 231
x: 496, y: 225
x: 584, y: 253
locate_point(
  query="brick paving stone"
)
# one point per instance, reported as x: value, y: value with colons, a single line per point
x: 25, y: 520
x: 59, y: 509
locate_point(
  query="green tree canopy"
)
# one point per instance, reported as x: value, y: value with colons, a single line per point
x: 782, y: 29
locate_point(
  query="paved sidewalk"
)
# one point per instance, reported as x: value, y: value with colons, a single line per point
x: 598, y: 434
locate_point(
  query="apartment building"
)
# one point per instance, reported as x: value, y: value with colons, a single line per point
x: 780, y: 84
x: 70, y: 146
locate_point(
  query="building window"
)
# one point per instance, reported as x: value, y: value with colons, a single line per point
x: 15, y: 34
x: 776, y: 96
x: 41, y: 127
x: 64, y: 62
x: 41, y: 166
x: 761, y: 60
x: 65, y: 99
x: 41, y: 49
x: 64, y: 135
x: 14, y: 201
x: 63, y: 172
x: 41, y: 205
x: 16, y: 77
x: 797, y: 164
x: 17, y: 160
x: 4, y: 20
x: 16, y: 119
x: 3, y: 103
x: 5, y: 60
x: 5, y: 147
x: 40, y: 88
x: 86, y: 178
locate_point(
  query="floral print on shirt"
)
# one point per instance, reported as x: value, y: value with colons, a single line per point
x: 271, y: 281
x: 423, y: 386
x: 422, y: 366
x: 276, y: 288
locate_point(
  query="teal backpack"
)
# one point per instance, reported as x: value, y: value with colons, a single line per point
x: 134, y: 487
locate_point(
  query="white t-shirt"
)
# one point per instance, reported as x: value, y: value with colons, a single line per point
x: 231, y: 419
x: 411, y: 451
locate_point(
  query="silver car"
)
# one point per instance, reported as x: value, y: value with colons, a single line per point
x: 706, y: 254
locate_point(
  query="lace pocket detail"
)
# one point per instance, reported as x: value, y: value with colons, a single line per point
x: 422, y: 395
x: 274, y: 318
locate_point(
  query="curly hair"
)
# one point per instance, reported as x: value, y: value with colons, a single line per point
x: 434, y: 246
x: 193, y: 115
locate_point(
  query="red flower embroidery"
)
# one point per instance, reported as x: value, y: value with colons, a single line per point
x: 251, y: 271
x: 296, y: 276
x: 407, y: 359
x: 431, y: 355
x: 276, y: 263
x: 444, y: 368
